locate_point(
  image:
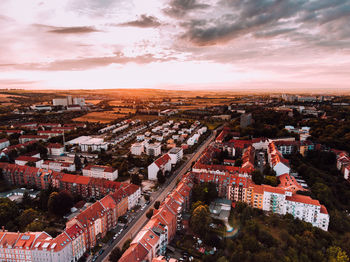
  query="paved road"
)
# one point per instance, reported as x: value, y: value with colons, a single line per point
x: 140, y: 220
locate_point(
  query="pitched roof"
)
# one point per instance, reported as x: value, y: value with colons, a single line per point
x: 108, y: 169
x: 162, y: 160
x: 136, y: 252
x: 28, y: 159
x: 303, y: 199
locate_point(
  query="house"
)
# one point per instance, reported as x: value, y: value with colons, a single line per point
x: 106, y: 172
x: 12, y: 131
x: 176, y: 154
x: 55, y: 149
x: 193, y: 139
x: 58, y: 166
x: 50, y: 133
x: 26, y: 138
x: 137, y: 149
x: 23, y: 160
x: 4, y: 143
x: 162, y: 164
x: 153, y: 149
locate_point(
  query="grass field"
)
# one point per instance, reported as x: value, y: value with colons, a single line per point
x: 124, y: 110
x: 102, y: 117
x: 145, y: 117
x: 94, y: 102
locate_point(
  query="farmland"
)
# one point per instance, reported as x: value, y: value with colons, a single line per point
x: 102, y: 117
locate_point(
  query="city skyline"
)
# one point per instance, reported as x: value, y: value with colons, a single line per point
x: 175, y: 44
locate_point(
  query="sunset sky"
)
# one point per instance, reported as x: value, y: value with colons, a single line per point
x: 175, y: 44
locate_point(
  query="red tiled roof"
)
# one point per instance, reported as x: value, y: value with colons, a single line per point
x: 33, y: 136
x: 4, y: 140
x: 323, y: 209
x: 28, y: 158
x: 50, y: 132
x: 303, y: 199
x: 162, y: 160
x: 273, y: 189
x: 105, y: 168
x: 54, y: 145
x: 136, y: 252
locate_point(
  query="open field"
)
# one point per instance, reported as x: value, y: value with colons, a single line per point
x: 102, y: 117
x: 94, y: 101
x: 145, y: 117
x: 121, y: 110
x: 116, y: 103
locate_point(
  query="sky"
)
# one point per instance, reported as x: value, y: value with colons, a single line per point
x: 175, y: 44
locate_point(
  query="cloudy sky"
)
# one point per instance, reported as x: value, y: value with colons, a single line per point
x: 177, y: 44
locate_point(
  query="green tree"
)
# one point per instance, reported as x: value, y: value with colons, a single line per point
x: 271, y: 180
x: 35, y: 226
x: 135, y: 179
x: 156, y: 205
x: 27, y: 217
x: 77, y: 162
x: 32, y: 164
x: 60, y: 203
x: 336, y: 254
x: 238, y: 162
x: 149, y: 214
x: 115, y: 255
x: 160, y: 177
x: 200, y: 219
x: 257, y: 177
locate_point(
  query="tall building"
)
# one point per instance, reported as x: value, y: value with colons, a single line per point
x: 246, y: 120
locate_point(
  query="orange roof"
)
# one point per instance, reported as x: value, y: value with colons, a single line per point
x: 303, y: 199
x: 83, y: 180
x: 68, y: 178
x: 74, y: 231
x: 136, y: 252
x: 162, y: 160
x: 54, y: 145
x: 28, y: 158
x: 323, y: 209
x: 108, y: 202
x: 273, y: 189
x: 105, y: 168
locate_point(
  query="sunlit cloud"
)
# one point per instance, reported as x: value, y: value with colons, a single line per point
x: 174, y: 43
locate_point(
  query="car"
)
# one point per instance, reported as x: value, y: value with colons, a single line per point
x: 101, y: 251
x: 94, y: 258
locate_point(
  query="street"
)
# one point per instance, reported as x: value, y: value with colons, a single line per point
x: 140, y: 219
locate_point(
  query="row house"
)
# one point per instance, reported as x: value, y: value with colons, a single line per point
x: 4, y: 143
x: 23, y: 160
x: 154, y: 237
x: 55, y: 149
x: 248, y: 157
x: 277, y: 162
x: 76, y: 184
x: 50, y: 133
x: 27, y: 138
x: 58, y: 166
x: 12, y: 131
x: 35, y: 246
x: 106, y: 172
x: 343, y: 163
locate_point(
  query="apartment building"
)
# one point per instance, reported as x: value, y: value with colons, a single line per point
x: 152, y: 240
x: 58, y: 166
x: 55, y: 149
x: 176, y: 154
x: 154, y: 149
x: 162, y: 164
x: 4, y: 143
x: 105, y: 172
x: 137, y: 149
